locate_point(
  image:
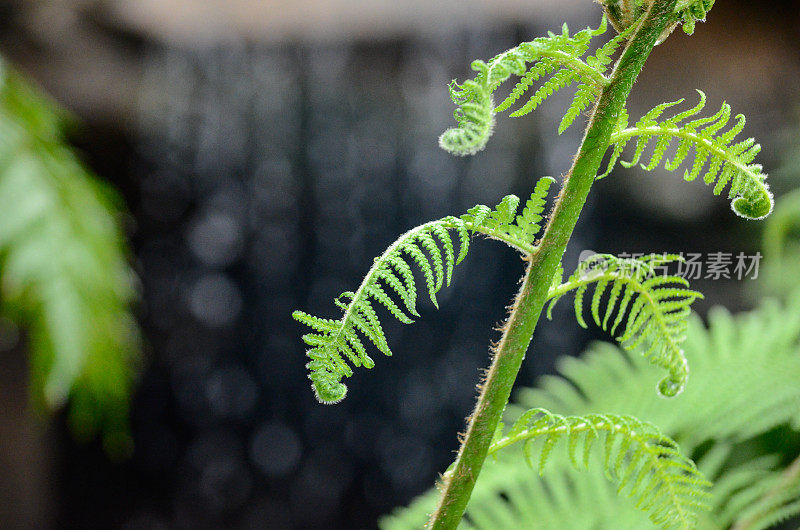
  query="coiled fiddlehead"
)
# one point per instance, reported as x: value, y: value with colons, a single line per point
x: 635, y: 455
x: 717, y: 158
x: 558, y: 54
x: 430, y: 246
x: 651, y: 309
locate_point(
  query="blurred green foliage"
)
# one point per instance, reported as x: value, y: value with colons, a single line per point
x: 64, y: 272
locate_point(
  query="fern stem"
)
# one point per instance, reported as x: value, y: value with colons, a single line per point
x: 524, y: 315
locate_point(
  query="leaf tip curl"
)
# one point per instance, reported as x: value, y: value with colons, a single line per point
x: 754, y: 207
x: 467, y: 141
x: 329, y: 392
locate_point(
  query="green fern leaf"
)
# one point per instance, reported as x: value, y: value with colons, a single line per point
x: 745, y: 370
x: 652, y: 309
x: 560, y: 53
x: 64, y: 268
x: 636, y: 456
x: 518, y: 231
x: 339, y: 339
x: 584, y: 97
x: 727, y: 403
x: 538, y: 70
x: 430, y: 246
x: 560, y: 79
x: 718, y: 158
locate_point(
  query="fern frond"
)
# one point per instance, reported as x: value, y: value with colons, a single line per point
x: 636, y: 456
x: 719, y: 158
x: 333, y: 341
x: 744, y: 372
x: 64, y: 268
x: 558, y: 54
x: 518, y: 231
x: 430, y: 246
x: 652, y: 310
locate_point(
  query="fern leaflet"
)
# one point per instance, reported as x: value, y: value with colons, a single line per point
x: 502, y: 223
x: 334, y: 342
x: 558, y: 54
x: 652, y: 309
x: 718, y: 158
x: 635, y: 454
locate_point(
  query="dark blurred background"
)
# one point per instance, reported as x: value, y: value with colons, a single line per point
x: 267, y: 151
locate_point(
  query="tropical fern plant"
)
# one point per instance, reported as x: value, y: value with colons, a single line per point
x: 64, y: 269
x: 743, y: 398
x: 646, y: 311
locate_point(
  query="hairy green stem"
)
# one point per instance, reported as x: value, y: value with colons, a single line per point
x: 524, y: 314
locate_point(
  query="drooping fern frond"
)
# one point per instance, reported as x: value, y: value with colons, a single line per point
x: 651, y: 309
x: 64, y: 268
x: 333, y: 341
x: 744, y: 371
x: 636, y: 456
x: 429, y: 246
x: 561, y: 56
x: 744, y: 374
x: 718, y: 157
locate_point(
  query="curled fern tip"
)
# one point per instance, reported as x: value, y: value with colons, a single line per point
x: 669, y: 387
x: 558, y: 61
x: 329, y: 392
x: 756, y: 206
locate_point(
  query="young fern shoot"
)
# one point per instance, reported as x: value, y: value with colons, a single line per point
x: 717, y: 158
x: 649, y: 310
x: 335, y: 341
x: 653, y: 309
